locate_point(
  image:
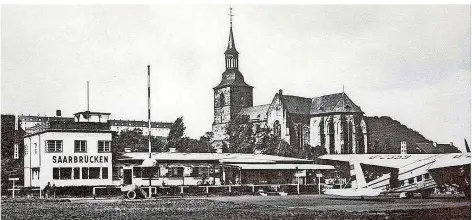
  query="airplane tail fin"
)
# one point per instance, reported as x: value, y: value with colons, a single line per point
x: 357, y: 176
x: 466, y: 146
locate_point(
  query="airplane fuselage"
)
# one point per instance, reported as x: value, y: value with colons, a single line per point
x: 410, y: 173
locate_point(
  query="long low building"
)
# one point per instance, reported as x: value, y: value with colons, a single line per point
x: 172, y: 168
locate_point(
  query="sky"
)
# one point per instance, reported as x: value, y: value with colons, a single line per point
x: 409, y: 62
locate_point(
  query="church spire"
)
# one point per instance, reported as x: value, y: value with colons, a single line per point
x: 231, y: 54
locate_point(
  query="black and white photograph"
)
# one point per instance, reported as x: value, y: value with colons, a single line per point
x: 235, y: 111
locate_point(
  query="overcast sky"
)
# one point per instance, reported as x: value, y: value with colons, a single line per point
x: 411, y: 63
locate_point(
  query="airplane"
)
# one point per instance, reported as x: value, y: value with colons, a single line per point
x: 408, y: 173
x: 359, y: 186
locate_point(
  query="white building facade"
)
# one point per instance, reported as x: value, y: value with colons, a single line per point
x: 68, y: 154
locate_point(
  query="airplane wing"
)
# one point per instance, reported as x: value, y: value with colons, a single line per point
x: 451, y: 160
x: 381, y: 160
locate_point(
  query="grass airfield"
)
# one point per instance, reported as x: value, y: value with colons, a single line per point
x: 240, y: 207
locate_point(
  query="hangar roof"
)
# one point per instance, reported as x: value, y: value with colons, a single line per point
x: 215, y: 157
x: 284, y: 166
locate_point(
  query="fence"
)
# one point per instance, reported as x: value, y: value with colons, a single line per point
x: 110, y: 191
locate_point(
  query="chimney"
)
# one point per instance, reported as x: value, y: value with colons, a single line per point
x: 452, y: 144
x: 280, y: 92
x: 435, y: 144
x: 58, y: 113
x: 172, y: 150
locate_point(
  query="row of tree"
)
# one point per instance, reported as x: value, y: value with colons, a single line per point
x: 137, y: 142
x: 243, y: 137
x: 246, y: 137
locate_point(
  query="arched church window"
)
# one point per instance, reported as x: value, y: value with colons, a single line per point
x: 277, y: 130
x: 322, y: 133
x: 222, y: 99
x: 350, y: 138
x: 322, y: 126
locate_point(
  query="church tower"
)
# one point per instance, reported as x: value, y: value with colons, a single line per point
x: 232, y: 93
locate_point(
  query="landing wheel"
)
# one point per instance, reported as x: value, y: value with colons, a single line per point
x: 467, y: 192
x: 131, y: 194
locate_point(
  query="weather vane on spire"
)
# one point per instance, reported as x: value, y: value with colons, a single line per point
x: 231, y: 16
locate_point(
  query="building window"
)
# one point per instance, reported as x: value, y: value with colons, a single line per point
x: 76, y: 172
x: 419, y: 178
x: 63, y: 173
x: 277, y: 129
x: 94, y: 173
x: 137, y: 172
x: 411, y: 180
x: 300, y: 135
x: 80, y: 146
x: 16, y: 154
x: 222, y: 99
x: 176, y: 172
x: 116, y: 173
x: 35, y: 172
x: 55, y: 173
x: 426, y: 176
x: 85, y: 172
x: 104, y: 172
x: 54, y: 146
x: 104, y: 146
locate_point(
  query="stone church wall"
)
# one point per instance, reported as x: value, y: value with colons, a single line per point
x: 278, y: 113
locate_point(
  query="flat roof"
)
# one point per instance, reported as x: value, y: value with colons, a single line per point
x: 214, y: 157
x: 92, y: 113
x: 284, y: 166
x: 69, y: 130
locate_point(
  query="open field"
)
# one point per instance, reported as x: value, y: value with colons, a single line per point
x: 242, y: 207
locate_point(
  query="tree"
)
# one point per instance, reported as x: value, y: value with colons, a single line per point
x: 317, y: 151
x: 135, y: 141
x: 176, y: 132
x: 10, y: 137
x: 205, y: 143
x: 241, y: 136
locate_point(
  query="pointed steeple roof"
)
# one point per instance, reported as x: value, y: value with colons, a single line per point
x: 231, y: 45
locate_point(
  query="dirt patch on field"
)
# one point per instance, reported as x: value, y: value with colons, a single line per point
x: 198, y: 209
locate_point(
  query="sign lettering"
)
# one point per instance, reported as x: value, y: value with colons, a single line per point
x: 396, y: 156
x: 79, y: 159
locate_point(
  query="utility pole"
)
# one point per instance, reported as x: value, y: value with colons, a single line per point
x: 149, y: 126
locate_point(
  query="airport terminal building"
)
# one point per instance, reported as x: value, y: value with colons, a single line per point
x: 78, y: 154
x: 66, y: 153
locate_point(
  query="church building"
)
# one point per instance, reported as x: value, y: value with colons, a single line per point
x: 332, y: 121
